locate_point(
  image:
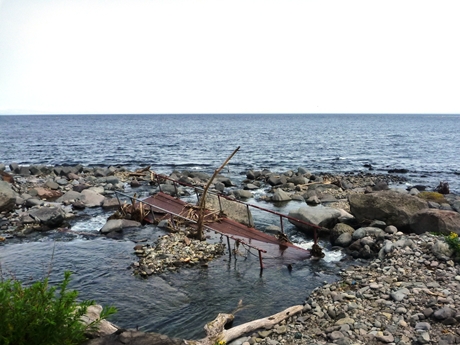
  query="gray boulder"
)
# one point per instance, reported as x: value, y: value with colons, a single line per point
x: 233, y: 210
x: 110, y: 203
x: 7, y: 197
x: 338, y: 230
x: 118, y: 225
x: 434, y: 220
x: 298, y: 180
x: 343, y: 240
x: 325, y: 217
x: 368, y: 231
x: 280, y: 195
x: 49, y: 216
x: 389, y: 206
x: 242, y: 194
x: 92, y: 199
x: 171, y: 190
x: 71, y: 196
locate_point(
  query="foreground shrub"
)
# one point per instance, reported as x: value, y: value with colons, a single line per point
x: 42, y: 315
x: 454, y: 242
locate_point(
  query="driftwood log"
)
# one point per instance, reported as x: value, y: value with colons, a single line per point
x: 217, y: 334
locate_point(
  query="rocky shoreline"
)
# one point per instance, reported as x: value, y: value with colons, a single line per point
x: 405, y: 289
x: 410, y: 295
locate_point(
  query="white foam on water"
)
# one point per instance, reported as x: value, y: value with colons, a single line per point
x: 93, y: 224
x: 329, y: 256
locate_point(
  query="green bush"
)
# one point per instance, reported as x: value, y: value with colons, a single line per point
x: 454, y: 242
x: 42, y: 315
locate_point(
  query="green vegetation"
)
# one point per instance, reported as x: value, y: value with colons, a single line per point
x: 454, y: 242
x: 432, y: 196
x: 41, y: 314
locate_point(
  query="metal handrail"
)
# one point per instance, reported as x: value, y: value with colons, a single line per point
x: 281, y: 215
x: 192, y: 221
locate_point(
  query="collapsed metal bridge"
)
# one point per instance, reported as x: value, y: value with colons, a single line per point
x: 164, y: 206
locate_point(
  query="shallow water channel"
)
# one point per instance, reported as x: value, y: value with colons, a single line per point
x: 179, y: 303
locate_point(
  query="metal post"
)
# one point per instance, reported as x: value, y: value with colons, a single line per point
x: 249, y: 216
x: 260, y: 261
x: 229, y: 249
x: 220, y: 204
x: 281, y: 223
x: 119, y: 204
x: 175, y: 189
x: 172, y: 222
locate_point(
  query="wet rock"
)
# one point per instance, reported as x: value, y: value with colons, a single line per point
x: 7, y: 197
x: 49, y: 216
x: 242, y: 194
x: 110, y: 203
x: 368, y: 231
x: 280, y: 195
x: 343, y: 240
x: 91, y: 198
x: 118, y: 225
x: 321, y: 216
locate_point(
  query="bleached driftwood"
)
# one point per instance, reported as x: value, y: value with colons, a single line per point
x: 217, y: 334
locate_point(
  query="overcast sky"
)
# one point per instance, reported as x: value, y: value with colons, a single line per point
x: 268, y: 56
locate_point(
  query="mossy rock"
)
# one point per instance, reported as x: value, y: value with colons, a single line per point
x: 432, y: 196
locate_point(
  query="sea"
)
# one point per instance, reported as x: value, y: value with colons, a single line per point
x: 422, y: 148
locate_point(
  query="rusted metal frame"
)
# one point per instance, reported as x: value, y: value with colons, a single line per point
x: 175, y: 189
x: 240, y: 241
x: 119, y: 203
x: 192, y: 221
x: 220, y: 204
x: 314, y: 226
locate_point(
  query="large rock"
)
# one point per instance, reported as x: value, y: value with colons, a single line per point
x: 103, y: 327
x: 92, y: 199
x: 71, y: 196
x: 7, y: 197
x: 242, y: 194
x: 326, y: 217
x: 391, y: 207
x: 281, y: 195
x: 46, y: 193
x: 434, y: 220
x: 233, y: 210
x: 118, y: 225
x: 338, y: 230
x: 49, y: 216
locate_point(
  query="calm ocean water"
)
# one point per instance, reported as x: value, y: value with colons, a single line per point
x: 426, y: 145
x: 179, y: 304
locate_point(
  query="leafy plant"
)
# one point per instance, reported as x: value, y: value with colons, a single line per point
x: 41, y: 314
x: 454, y: 242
